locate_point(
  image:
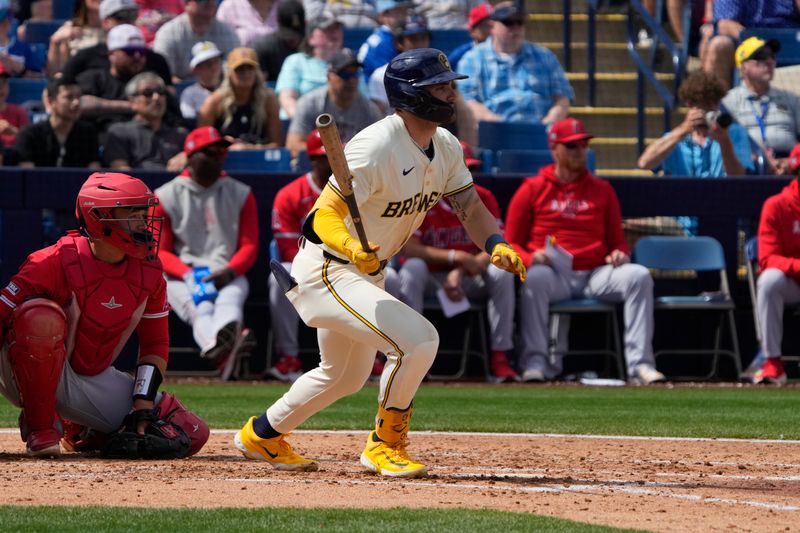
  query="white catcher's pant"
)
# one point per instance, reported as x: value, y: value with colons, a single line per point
x: 354, y: 317
x: 775, y: 290
x: 208, y: 318
x: 628, y: 283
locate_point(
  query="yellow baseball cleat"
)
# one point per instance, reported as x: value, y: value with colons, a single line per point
x: 390, y: 460
x: 275, y: 451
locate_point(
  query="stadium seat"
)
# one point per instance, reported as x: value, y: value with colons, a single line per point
x: 449, y: 40
x: 612, y: 348
x: 39, y: 31
x: 302, y: 163
x: 530, y: 161
x: 751, y: 253
x: 21, y: 90
x: 355, y: 37
x: 63, y: 9
x: 269, y: 160
x: 788, y: 37
x: 494, y: 136
x: 692, y: 256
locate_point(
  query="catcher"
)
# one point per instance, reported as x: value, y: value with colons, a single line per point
x: 65, y: 317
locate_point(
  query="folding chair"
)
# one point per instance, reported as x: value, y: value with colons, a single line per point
x: 39, y: 31
x: 612, y: 349
x: 751, y: 253
x: 268, y: 160
x: 450, y: 39
x: 697, y: 254
x: 21, y: 90
x: 475, y: 323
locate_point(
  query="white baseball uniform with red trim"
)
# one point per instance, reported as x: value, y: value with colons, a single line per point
x: 395, y: 184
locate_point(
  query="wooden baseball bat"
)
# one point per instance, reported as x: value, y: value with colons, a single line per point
x: 329, y: 134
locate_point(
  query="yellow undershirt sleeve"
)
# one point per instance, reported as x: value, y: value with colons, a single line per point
x: 330, y: 211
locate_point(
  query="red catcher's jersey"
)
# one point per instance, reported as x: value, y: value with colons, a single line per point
x: 289, y: 211
x: 104, y: 303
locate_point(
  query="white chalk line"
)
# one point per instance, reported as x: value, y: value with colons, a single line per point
x: 5, y: 431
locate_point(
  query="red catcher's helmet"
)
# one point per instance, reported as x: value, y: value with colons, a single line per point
x: 104, y: 191
x: 314, y: 146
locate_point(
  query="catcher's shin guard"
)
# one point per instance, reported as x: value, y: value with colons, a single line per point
x: 37, y: 354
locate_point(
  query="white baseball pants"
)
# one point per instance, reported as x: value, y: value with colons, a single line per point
x: 208, y: 318
x: 354, y: 317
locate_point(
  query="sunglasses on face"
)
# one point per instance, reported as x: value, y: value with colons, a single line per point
x: 572, y: 145
x: 349, y: 74
x: 762, y: 55
x: 214, y: 151
x: 130, y: 52
x: 150, y: 91
x: 513, y: 23
x: 244, y: 68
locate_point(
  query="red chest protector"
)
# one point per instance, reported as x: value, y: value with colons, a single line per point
x: 109, y: 301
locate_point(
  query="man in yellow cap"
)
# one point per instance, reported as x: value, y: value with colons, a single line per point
x: 770, y: 115
x: 730, y: 17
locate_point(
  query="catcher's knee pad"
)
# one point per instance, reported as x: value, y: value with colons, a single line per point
x: 172, y: 410
x: 37, y: 354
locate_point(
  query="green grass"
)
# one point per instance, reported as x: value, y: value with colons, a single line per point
x: 398, y: 520
x: 770, y: 413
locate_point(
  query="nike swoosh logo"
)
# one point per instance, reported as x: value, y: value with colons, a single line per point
x: 395, y: 463
x: 405, y: 172
x: 273, y: 455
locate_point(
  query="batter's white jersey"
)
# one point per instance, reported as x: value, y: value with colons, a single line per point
x: 395, y: 183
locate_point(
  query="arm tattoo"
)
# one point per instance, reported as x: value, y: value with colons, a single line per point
x: 458, y: 209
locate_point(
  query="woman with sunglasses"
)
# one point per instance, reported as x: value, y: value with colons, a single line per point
x: 243, y: 107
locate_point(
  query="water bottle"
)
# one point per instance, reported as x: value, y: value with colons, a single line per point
x: 203, y: 290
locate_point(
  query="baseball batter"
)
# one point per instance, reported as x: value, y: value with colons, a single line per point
x: 401, y: 166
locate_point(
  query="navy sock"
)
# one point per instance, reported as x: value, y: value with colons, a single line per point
x: 263, y: 428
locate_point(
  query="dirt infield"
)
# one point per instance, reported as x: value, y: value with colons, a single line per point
x: 648, y: 483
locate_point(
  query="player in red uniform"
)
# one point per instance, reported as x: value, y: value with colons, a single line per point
x: 70, y: 309
x: 441, y: 254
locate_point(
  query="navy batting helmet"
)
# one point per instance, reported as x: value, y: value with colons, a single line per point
x: 407, y: 76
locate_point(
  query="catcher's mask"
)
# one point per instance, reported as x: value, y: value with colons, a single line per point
x: 120, y: 210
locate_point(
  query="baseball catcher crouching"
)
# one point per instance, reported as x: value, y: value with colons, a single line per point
x: 64, y: 318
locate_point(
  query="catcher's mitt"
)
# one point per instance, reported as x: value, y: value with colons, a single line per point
x: 161, y: 440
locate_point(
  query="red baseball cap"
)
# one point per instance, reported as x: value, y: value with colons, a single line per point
x: 202, y: 137
x: 314, y: 146
x: 469, y: 157
x: 794, y: 158
x: 478, y: 14
x: 567, y: 130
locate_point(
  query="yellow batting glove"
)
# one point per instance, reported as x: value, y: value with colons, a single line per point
x: 506, y: 258
x: 366, y: 262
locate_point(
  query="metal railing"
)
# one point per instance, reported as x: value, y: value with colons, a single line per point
x: 645, y: 70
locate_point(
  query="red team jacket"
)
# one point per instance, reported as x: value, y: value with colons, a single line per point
x: 779, y: 232
x: 289, y: 210
x: 103, y: 302
x: 441, y: 227
x: 584, y: 216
